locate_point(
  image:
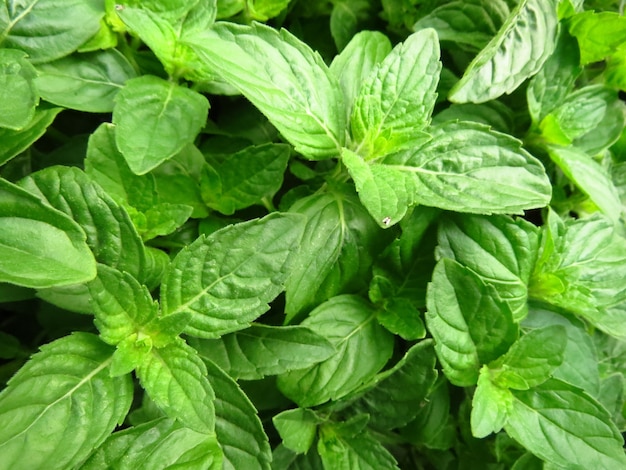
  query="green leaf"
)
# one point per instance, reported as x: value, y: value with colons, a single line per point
x: 590, y: 177
x: 155, y: 119
x: 491, y: 405
x: 396, y: 395
x: 466, y: 167
x: 285, y: 459
x: 362, y: 347
x: 238, y: 427
x: 61, y: 404
x: 471, y: 325
x: 356, y: 62
x: 346, y: 452
x: 345, y: 18
x: 336, y: 251
x: 262, y: 350
x: 18, y: 93
x: 48, y: 30
x: 566, y: 427
x: 599, y: 34
x: 159, y: 444
x: 494, y: 114
x: 263, y: 10
x: 110, y: 233
x: 397, y: 98
x: 297, y: 428
x: 556, y: 79
x: 86, y: 82
x: 245, y: 178
x: 471, y: 23
x: 517, y: 52
x: 225, y: 280
x: 285, y: 79
x: 580, y: 267
x: 40, y: 246
x: 532, y: 359
x: 13, y: 142
x: 501, y: 250
x: 176, y: 380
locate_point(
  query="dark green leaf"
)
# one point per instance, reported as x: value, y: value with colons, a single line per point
x: 12, y: 142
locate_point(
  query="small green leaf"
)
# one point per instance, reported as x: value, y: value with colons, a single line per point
x: 18, y: 94
x: 297, y: 428
x: 491, y: 405
x: 88, y: 82
x: 62, y: 404
x: 599, y: 34
x: 225, y: 280
x: 566, y: 427
x: 261, y: 350
x: 362, y: 347
x: 285, y: 79
x: 522, y: 45
x: 40, y: 246
x: 245, y: 178
x: 155, y: 119
x: 48, y: 30
x: 176, y: 380
x: 159, y: 444
x: 397, y: 98
x: 471, y: 325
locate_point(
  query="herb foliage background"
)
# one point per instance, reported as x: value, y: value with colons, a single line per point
x: 348, y: 234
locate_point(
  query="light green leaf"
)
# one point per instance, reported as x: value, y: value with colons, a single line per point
x: 48, y: 30
x: 481, y: 170
x: 86, y: 82
x: 590, y: 177
x: 263, y: 10
x: 471, y: 325
x: 175, y: 378
x: 225, y: 280
x: 61, y: 404
x: 580, y: 267
x: 396, y: 395
x: 362, y: 347
x: 472, y: 23
x: 335, y: 252
x: 500, y: 249
x: 40, y: 246
x: 491, y: 405
x: 12, y: 142
x: 160, y: 444
x: 532, y: 359
x: 262, y: 350
x: 285, y: 79
x: 396, y: 100
x: 599, y: 34
x: 238, y: 427
x: 356, y: 62
x: 566, y: 427
x: 516, y: 53
x: 155, y: 119
x: 18, y: 94
x: 297, y: 428
x: 245, y: 178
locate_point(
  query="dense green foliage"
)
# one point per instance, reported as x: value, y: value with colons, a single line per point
x: 345, y: 234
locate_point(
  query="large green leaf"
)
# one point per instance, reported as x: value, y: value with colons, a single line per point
x: 86, y: 82
x: 160, y: 444
x: 155, y: 119
x: 18, y: 94
x: 40, y: 246
x: 566, y: 427
x: 516, y: 53
x: 471, y: 325
x: 175, y: 378
x: 48, y: 30
x: 225, y: 280
x: 397, y: 98
x: 262, y: 350
x: 362, y: 347
x: 285, y: 79
x: 61, y: 405
x: 238, y: 427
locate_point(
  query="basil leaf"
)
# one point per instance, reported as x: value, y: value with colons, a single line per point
x: 18, y: 93
x: 491, y: 405
x: 297, y: 428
